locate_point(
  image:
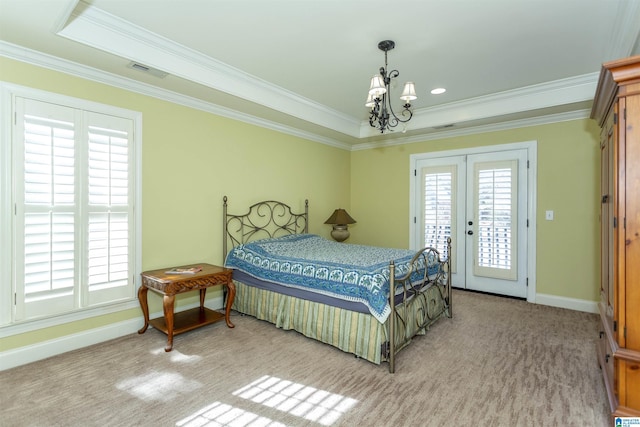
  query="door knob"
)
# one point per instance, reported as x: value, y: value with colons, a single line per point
x: 470, y: 232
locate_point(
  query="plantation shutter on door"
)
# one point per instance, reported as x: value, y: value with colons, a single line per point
x: 439, y: 207
x: 496, y: 216
x: 482, y: 197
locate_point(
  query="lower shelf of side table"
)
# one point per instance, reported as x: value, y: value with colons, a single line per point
x: 188, y: 320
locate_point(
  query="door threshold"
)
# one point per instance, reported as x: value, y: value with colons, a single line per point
x: 490, y: 293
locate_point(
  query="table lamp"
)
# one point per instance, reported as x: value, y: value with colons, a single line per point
x: 340, y: 220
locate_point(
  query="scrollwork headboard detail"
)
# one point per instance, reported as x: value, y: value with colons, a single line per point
x: 263, y: 220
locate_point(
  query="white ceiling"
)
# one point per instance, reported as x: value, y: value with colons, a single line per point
x: 303, y: 66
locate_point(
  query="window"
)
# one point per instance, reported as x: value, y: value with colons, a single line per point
x: 74, y: 171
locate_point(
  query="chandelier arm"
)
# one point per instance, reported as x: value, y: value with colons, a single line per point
x: 394, y: 120
x: 404, y: 111
x: 382, y: 115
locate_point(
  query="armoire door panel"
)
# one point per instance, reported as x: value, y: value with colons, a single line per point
x: 616, y: 107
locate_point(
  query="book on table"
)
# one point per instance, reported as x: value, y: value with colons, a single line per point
x: 184, y: 270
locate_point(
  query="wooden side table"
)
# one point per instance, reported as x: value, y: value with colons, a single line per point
x: 169, y: 285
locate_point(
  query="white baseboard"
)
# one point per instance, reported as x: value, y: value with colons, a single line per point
x: 42, y: 350
x: 570, y: 303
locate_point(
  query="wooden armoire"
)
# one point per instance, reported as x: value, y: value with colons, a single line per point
x: 616, y: 108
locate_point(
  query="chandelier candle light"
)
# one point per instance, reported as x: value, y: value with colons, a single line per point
x: 382, y: 116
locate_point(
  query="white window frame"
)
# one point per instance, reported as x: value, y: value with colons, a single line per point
x: 8, y: 325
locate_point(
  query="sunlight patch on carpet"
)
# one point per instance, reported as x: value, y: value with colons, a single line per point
x: 176, y: 356
x: 158, y: 386
x: 221, y: 414
x: 297, y: 399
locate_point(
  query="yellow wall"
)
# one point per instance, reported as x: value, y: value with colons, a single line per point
x: 191, y: 159
x: 568, y: 183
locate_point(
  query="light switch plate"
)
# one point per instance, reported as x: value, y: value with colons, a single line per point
x: 548, y: 215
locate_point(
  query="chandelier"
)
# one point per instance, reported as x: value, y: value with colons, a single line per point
x: 382, y: 116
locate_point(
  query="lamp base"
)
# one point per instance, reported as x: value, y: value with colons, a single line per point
x: 340, y: 233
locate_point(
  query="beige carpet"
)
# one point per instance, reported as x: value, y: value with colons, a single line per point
x: 498, y: 362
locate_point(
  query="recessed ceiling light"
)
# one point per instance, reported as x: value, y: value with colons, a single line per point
x: 438, y: 91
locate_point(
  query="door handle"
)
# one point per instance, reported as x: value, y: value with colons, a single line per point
x: 470, y: 232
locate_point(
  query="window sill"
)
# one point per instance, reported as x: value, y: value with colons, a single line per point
x: 36, y: 324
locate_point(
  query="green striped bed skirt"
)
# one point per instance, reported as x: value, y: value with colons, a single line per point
x: 357, y: 333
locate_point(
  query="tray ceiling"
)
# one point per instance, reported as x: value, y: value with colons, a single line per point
x: 303, y: 67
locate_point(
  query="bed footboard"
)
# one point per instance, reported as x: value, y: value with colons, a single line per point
x: 426, y: 305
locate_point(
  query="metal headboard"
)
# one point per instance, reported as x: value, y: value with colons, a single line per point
x: 263, y: 220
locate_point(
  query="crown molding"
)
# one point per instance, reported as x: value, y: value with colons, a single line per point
x: 47, y: 61
x: 627, y: 33
x: 53, y: 63
x: 98, y: 29
x: 530, y: 98
x: 473, y: 130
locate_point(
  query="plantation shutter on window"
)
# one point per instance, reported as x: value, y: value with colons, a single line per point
x: 74, y: 232
x: 109, y: 208
x: 47, y: 227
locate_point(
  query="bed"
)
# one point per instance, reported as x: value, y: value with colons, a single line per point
x: 333, y: 292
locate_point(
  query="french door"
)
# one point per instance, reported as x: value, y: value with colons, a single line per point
x: 480, y: 200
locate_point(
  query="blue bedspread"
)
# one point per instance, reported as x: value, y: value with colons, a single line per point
x: 307, y: 261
